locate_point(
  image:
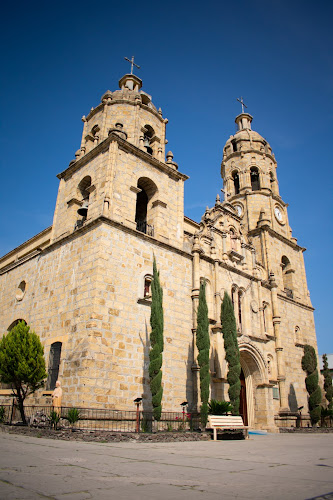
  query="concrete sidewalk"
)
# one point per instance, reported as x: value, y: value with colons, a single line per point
x: 276, y: 466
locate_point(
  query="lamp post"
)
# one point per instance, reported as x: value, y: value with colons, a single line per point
x: 300, y: 415
x: 185, y: 403
x: 137, y: 401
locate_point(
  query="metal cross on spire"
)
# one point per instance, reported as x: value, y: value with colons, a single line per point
x: 242, y: 103
x: 132, y: 63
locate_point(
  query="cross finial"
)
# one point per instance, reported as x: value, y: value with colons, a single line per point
x: 242, y: 103
x: 132, y: 63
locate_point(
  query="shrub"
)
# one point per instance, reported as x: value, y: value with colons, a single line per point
x: 54, y: 419
x: 229, y: 331
x: 219, y: 407
x: 156, y: 343
x: 203, y: 345
x: 22, y: 363
x: 2, y: 413
x: 73, y: 416
x: 328, y: 387
x: 309, y: 365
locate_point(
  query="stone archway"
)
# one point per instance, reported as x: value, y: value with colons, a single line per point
x: 254, y: 370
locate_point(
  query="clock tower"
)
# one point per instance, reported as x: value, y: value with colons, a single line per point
x: 249, y: 174
x: 250, y: 184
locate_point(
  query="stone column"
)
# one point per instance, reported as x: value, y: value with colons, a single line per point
x: 195, y: 301
x: 278, y: 346
x: 224, y: 246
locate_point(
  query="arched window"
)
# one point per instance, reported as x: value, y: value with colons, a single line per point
x: 255, y: 180
x: 16, y: 322
x: 147, y: 139
x: 240, y: 304
x: 235, y: 178
x: 143, y: 216
x: 54, y: 362
x: 147, y: 286
x: 287, y: 276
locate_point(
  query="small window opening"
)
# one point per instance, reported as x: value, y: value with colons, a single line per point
x: 269, y: 368
x: 255, y: 180
x: 54, y: 362
x: 147, y: 286
x: 234, y: 146
x: 235, y: 177
x: 21, y: 290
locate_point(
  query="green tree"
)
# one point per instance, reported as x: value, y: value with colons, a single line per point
x: 229, y: 331
x: 203, y: 345
x: 328, y: 383
x: 309, y: 365
x: 156, y: 343
x: 22, y: 363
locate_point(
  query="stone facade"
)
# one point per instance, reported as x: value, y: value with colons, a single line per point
x: 83, y: 283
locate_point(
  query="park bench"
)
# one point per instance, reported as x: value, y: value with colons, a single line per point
x: 226, y: 422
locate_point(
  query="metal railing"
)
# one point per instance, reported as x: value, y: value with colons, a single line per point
x: 145, y: 228
x: 98, y: 419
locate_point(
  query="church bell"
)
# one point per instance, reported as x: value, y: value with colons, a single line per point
x: 83, y: 210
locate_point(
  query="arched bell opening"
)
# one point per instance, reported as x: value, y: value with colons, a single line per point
x: 144, y: 210
x: 255, y: 179
x: 235, y: 178
x: 287, y: 277
x: 148, y: 139
x: 84, y: 194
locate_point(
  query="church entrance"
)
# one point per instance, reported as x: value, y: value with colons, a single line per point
x: 253, y: 395
x: 243, y: 404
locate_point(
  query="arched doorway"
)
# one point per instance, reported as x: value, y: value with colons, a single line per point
x: 243, y: 403
x: 253, y: 396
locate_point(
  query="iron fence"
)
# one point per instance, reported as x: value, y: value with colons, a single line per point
x: 98, y: 419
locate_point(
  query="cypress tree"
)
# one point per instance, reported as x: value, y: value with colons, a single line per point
x: 22, y: 363
x: 327, y: 383
x: 156, y: 343
x: 203, y: 345
x: 229, y: 331
x: 309, y: 365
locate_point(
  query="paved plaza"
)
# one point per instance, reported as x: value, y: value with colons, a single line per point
x: 275, y: 466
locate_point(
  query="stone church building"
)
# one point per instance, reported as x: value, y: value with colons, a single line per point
x: 83, y: 284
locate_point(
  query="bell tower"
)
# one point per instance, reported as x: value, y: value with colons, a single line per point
x: 248, y: 171
x: 121, y: 171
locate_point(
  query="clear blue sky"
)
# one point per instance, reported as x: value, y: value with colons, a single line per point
x: 196, y: 58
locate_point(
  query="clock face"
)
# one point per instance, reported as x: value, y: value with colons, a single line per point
x: 239, y: 209
x: 278, y: 214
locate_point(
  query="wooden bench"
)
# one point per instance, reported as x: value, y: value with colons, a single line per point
x: 226, y: 422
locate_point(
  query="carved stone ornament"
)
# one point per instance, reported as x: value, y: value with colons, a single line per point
x: 254, y: 306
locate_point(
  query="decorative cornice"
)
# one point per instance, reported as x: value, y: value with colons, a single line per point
x: 295, y: 302
x: 272, y: 232
x: 26, y: 243
x: 125, y: 146
x: 105, y: 220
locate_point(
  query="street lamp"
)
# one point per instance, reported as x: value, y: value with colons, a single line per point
x: 185, y: 403
x: 137, y: 401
